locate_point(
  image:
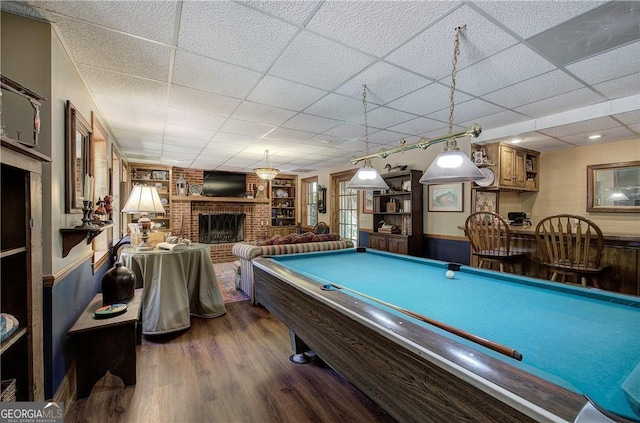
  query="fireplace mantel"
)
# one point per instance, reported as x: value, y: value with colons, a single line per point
x: 203, y: 199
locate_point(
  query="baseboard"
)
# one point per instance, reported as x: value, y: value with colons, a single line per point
x: 66, y: 392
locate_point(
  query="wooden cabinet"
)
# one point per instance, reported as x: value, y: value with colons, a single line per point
x: 21, y: 256
x: 159, y: 177
x: 514, y: 168
x: 397, y: 214
x: 283, y: 205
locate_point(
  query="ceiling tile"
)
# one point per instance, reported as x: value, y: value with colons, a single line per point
x: 172, y: 130
x: 285, y: 94
x: 383, y: 117
x: 381, y: 26
x: 384, y: 82
x: 213, y: 76
x: 135, y: 124
x: 201, y: 101
x: 190, y: 142
x: 262, y: 113
x: 243, y: 127
x: 534, y: 89
x: 431, y: 52
x: 629, y: 118
x: 117, y: 52
x: 346, y: 130
x: 137, y: 135
x: 417, y: 126
x: 580, y: 127
x: 617, y: 133
x: 336, y: 107
x: 469, y: 110
x: 238, y: 35
x: 296, y: 12
x: 505, y: 68
x: 194, y: 119
x: 318, y: 62
x: 559, y: 103
x: 622, y: 61
x: 153, y: 20
x: 620, y: 87
x: 285, y: 134
x: 310, y: 123
x: 119, y: 106
x: 496, y: 120
x: 125, y: 86
x: 427, y: 100
x: 527, y: 18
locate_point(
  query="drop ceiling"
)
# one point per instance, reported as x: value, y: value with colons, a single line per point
x: 213, y: 84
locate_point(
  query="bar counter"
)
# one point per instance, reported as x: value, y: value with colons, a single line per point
x: 621, y: 259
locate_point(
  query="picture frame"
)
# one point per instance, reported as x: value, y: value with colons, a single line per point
x: 484, y: 201
x: 367, y: 202
x: 446, y: 198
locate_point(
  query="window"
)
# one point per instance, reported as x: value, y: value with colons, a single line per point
x: 346, y: 206
x: 310, y: 202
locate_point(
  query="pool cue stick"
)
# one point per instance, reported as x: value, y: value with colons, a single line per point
x: 459, y: 332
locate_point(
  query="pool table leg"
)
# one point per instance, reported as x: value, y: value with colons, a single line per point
x: 302, y: 354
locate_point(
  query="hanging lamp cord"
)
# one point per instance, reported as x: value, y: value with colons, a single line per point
x: 366, y: 122
x: 456, y: 52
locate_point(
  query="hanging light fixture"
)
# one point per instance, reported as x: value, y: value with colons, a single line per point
x: 266, y: 173
x: 367, y: 177
x: 617, y: 195
x: 452, y: 165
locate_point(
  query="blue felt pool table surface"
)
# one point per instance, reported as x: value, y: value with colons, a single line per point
x: 585, y: 340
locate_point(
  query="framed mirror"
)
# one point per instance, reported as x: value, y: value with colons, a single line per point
x: 322, y: 199
x: 77, y: 156
x: 613, y: 188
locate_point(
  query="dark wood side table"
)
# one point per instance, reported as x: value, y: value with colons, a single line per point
x: 106, y: 344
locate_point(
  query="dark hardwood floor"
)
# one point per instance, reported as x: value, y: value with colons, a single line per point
x: 233, y: 368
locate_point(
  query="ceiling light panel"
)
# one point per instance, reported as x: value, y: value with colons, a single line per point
x: 603, y: 28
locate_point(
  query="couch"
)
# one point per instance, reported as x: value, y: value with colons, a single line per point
x: 286, y: 244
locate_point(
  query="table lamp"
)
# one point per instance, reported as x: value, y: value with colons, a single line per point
x: 144, y: 199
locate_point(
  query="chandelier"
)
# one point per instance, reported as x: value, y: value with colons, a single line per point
x: 266, y: 173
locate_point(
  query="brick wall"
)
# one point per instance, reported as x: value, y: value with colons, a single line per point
x: 184, y: 218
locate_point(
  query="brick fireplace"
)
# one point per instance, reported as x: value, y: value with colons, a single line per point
x: 186, y: 213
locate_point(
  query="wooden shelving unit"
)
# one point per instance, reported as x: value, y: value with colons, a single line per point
x: 401, y: 208
x: 21, y: 257
x: 283, y: 205
x: 160, y: 177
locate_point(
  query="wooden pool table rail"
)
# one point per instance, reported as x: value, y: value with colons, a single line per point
x: 413, y: 373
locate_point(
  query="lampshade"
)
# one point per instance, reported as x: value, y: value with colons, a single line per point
x: 367, y: 178
x: 266, y: 173
x: 617, y: 196
x: 451, y: 165
x: 143, y: 199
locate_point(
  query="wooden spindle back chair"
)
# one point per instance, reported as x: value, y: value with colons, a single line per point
x: 490, y: 240
x: 570, y: 245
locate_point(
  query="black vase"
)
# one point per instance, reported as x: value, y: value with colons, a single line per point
x: 118, y: 284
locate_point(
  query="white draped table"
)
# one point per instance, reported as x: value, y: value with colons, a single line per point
x: 177, y: 285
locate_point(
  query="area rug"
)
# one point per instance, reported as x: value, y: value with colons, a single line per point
x: 225, y: 273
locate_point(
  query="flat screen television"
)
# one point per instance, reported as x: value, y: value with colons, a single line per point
x: 224, y: 184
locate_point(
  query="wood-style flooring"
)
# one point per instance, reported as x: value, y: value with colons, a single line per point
x: 234, y: 368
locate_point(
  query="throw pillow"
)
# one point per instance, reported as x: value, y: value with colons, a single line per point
x: 302, y: 238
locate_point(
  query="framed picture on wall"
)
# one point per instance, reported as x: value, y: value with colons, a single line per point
x: 367, y: 202
x: 484, y: 201
x: 446, y: 198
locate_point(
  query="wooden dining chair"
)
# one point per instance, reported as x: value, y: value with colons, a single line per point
x: 571, y: 245
x: 490, y: 240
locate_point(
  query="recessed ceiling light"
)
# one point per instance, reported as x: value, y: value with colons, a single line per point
x: 595, y: 137
x: 517, y: 140
x: 325, y: 141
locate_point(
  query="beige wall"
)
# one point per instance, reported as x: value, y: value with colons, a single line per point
x: 33, y: 55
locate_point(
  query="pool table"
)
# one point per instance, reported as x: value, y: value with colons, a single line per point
x: 580, y: 347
